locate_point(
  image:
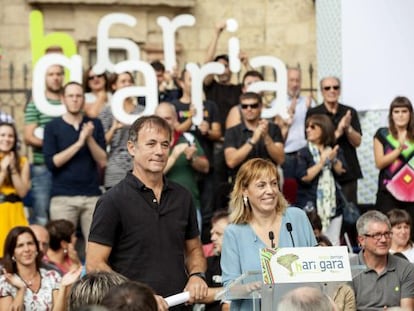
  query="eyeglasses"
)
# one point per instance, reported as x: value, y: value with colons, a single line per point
x: 328, y: 88
x: 252, y: 106
x: 72, y: 96
x: 90, y: 78
x: 378, y: 236
x: 311, y: 126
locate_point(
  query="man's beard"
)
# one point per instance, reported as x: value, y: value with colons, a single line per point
x: 53, y: 90
x: 294, y: 94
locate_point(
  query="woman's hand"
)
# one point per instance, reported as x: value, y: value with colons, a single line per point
x: 71, y: 276
x: 325, y: 155
x: 401, y: 140
x: 14, y: 280
x: 5, y: 162
x: 73, y: 255
x: 333, y: 153
x: 116, y: 125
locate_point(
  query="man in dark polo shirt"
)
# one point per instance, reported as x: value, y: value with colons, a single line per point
x: 145, y: 227
x: 254, y: 137
x: 387, y: 280
x: 348, y: 133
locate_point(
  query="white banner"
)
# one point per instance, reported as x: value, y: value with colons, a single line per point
x: 305, y: 264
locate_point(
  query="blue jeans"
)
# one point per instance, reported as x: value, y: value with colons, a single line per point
x: 41, y: 189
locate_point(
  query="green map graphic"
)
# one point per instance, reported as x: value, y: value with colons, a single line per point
x: 286, y: 261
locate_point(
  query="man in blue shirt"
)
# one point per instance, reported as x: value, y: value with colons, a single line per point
x: 74, y: 148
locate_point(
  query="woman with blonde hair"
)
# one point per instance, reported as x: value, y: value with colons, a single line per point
x: 260, y: 218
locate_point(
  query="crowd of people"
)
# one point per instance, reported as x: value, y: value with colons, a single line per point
x: 147, y: 198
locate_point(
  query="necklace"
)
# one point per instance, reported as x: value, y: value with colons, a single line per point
x: 29, y: 283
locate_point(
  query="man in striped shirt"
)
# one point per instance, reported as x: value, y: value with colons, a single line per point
x: 35, y: 122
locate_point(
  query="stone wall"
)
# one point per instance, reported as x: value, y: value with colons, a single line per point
x: 281, y: 28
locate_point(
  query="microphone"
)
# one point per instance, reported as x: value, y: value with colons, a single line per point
x: 289, y: 229
x: 272, y: 238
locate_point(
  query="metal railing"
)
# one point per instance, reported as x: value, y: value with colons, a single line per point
x: 14, y: 88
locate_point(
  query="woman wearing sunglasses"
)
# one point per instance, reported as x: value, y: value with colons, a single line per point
x: 319, y: 165
x: 116, y: 132
x: 97, y: 96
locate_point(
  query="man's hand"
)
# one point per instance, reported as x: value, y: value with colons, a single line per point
x: 197, y: 287
x: 86, y: 132
x: 345, y: 121
x: 190, y: 151
x: 161, y: 303
x: 178, y: 149
x: 244, y: 59
x: 220, y: 26
x: 264, y: 127
x: 260, y: 131
x: 204, y: 127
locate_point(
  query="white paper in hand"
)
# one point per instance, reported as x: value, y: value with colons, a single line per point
x: 177, y: 299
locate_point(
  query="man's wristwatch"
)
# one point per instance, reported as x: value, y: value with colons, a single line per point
x: 250, y: 142
x: 199, y: 274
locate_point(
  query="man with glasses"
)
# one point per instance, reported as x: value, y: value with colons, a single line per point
x: 74, y: 149
x: 348, y: 133
x: 387, y: 280
x: 254, y: 137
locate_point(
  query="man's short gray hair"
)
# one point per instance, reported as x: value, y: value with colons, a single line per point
x: 305, y: 299
x: 329, y: 77
x: 368, y: 217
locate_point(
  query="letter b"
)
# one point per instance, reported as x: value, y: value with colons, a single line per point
x: 40, y: 42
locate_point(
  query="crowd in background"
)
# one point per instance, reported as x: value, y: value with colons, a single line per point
x: 222, y: 189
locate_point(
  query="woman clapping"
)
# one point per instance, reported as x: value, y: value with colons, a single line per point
x: 14, y: 182
x: 26, y: 286
x: 319, y: 163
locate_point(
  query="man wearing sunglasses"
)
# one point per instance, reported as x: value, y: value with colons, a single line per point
x: 254, y: 137
x: 386, y: 280
x: 348, y: 133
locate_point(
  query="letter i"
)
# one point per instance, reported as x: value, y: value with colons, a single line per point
x: 233, y: 46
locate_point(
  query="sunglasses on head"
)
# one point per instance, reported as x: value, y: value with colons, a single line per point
x: 90, y: 78
x: 327, y: 88
x: 252, y: 106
